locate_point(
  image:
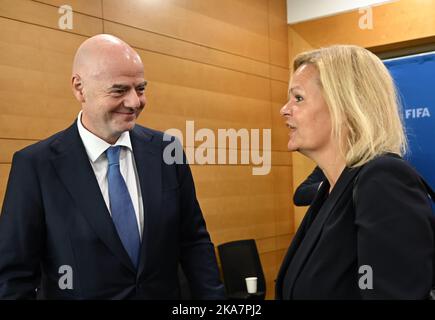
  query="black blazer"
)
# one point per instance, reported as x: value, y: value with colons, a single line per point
x: 390, y: 228
x: 54, y: 214
x: 307, y: 190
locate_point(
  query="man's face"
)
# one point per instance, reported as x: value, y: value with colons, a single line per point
x: 114, y: 98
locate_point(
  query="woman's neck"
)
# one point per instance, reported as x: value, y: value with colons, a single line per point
x: 332, y: 164
x: 332, y: 172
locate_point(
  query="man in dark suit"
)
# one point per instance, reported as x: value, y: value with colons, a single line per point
x: 307, y: 190
x: 94, y: 212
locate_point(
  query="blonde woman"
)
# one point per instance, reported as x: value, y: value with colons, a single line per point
x: 369, y: 232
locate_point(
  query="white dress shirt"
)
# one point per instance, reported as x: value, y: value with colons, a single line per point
x: 95, y: 148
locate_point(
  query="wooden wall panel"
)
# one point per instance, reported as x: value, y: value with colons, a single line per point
x: 193, y: 92
x: 196, y: 75
x: 175, y: 47
x: 280, y: 132
x: 4, y: 174
x: 9, y: 146
x: 282, y: 158
x: 258, y: 207
x: 270, y: 270
x: 237, y: 26
x: 26, y: 126
x: 278, y: 42
x: 199, y: 102
x: 302, y: 167
x: 222, y: 64
x: 393, y: 23
x: 279, y: 73
x: 48, y: 16
x: 89, y: 7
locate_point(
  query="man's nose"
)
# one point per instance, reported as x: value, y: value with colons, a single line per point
x: 132, y: 100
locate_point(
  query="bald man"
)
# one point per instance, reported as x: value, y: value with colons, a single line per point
x: 93, y: 212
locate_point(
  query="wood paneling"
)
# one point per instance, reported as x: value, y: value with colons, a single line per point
x: 190, y: 74
x: 48, y: 16
x: 270, y: 270
x: 279, y: 73
x: 159, y: 43
x: 278, y: 43
x: 4, y: 174
x: 234, y: 26
x: 302, y: 167
x: 221, y: 64
x: 258, y: 207
x: 89, y: 7
x: 395, y: 22
x: 280, y: 133
x: 9, y: 147
x: 26, y: 126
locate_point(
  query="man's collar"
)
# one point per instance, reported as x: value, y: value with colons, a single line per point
x: 96, y: 146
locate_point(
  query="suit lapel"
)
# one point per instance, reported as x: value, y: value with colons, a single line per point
x: 74, y: 169
x: 299, y: 254
x: 148, y: 158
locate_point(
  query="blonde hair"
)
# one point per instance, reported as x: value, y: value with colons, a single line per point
x: 362, y: 101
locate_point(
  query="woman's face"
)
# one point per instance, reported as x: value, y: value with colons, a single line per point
x: 306, y: 113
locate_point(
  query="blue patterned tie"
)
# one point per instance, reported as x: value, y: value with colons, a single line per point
x: 121, y: 206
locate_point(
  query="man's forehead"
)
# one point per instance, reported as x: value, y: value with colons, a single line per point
x: 119, y: 71
x: 112, y: 62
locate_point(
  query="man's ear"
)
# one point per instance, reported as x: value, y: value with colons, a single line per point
x: 77, y: 88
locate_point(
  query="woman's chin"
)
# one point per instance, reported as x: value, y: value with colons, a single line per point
x: 291, y: 146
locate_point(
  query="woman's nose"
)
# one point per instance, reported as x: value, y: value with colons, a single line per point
x: 285, y: 110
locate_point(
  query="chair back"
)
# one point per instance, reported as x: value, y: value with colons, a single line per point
x: 239, y: 260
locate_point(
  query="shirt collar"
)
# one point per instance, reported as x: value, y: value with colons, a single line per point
x: 96, y: 146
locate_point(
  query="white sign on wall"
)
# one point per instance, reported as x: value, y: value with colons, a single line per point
x: 303, y: 10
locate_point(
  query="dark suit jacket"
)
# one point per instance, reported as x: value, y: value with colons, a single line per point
x: 307, y: 190
x: 389, y: 228
x: 54, y: 214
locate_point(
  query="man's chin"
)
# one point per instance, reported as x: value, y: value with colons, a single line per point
x: 126, y: 127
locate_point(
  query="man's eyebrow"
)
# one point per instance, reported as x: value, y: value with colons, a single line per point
x: 118, y: 86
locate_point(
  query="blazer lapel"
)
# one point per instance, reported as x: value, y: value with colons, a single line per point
x: 74, y: 169
x: 313, y: 230
x: 310, y: 215
x: 148, y: 158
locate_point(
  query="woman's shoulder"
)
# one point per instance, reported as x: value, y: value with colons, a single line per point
x: 388, y: 165
x: 388, y: 161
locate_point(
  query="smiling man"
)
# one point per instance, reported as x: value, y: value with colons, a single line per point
x: 108, y: 80
x: 93, y: 212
